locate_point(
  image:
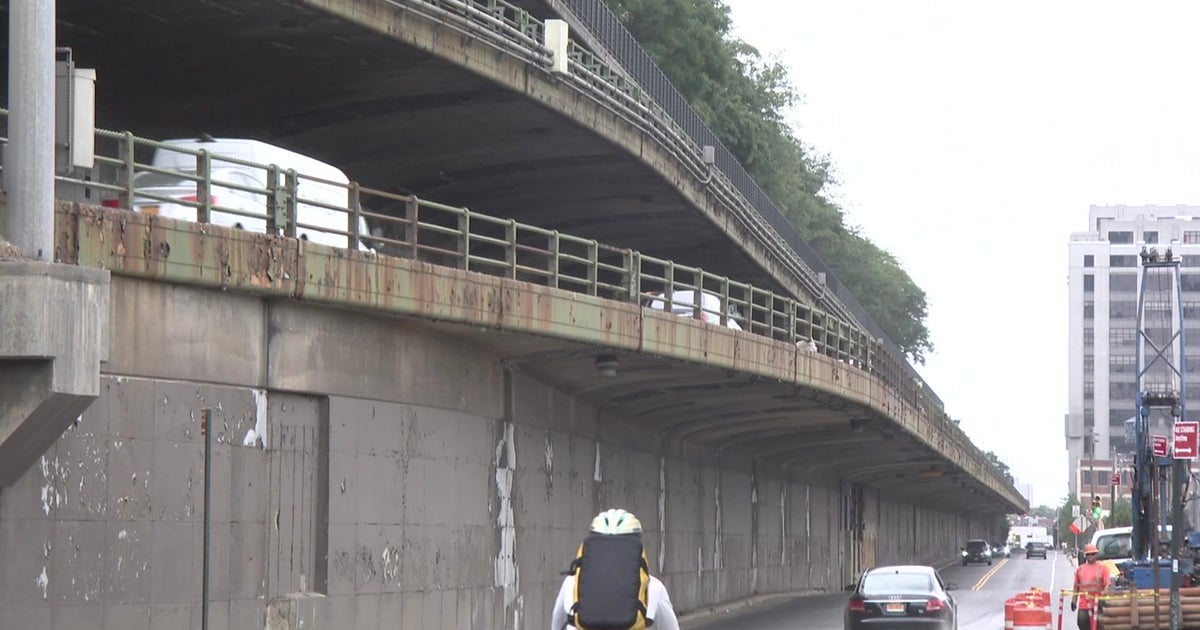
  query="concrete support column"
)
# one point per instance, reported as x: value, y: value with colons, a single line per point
x: 29, y: 162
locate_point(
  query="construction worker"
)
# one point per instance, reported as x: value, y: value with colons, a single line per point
x: 1091, y: 579
x: 614, y: 533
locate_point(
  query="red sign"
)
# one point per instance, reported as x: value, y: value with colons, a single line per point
x: 1115, y: 479
x: 1160, y: 446
x: 1075, y: 529
x: 1187, y: 439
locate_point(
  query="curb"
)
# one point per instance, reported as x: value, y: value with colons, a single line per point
x: 738, y: 605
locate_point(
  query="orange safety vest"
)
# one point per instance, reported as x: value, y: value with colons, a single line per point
x: 1090, y: 580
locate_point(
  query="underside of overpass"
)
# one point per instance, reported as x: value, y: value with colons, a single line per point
x: 391, y: 116
x: 798, y: 431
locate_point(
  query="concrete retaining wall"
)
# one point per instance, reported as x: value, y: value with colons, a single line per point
x: 370, y: 472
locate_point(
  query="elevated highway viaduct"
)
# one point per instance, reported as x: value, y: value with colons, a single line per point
x: 401, y: 439
x: 404, y: 444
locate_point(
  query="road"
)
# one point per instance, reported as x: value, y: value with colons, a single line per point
x: 980, y: 595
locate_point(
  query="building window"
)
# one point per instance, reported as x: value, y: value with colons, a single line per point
x: 1089, y: 364
x: 1090, y: 260
x: 1189, y: 281
x: 1118, y: 309
x: 1150, y: 236
x: 1191, y: 236
x: 1089, y: 309
x: 1158, y: 306
x: 1123, y: 261
x: 1119, y: 416
x: 1089, y: 390
x: 1089, y: 283
x: 1122, y: 282
x: 1089, y: 336
x: 1190, y: 261
x: 1121, y: 391
x: 1121, y: 336
x: 1122, y: 363
x: 1122, y: 237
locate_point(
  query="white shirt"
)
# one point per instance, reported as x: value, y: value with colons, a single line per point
x: 658, y: 605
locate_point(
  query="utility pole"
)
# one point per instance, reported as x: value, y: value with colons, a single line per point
x: 29, y: 159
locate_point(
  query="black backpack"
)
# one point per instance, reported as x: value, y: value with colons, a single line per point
x: 611, y: 583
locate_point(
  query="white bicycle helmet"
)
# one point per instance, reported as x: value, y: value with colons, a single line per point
x: 616, y: 521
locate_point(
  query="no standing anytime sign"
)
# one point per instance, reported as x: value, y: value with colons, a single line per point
x: 1186, y: 439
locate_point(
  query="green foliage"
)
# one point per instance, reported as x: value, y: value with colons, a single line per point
x: 1122, y: 514
x: 1000, y: 466
x: 1042, y: 511
x: 744, y: 99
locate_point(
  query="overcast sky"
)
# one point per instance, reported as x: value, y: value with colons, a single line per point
x: 969, y: 139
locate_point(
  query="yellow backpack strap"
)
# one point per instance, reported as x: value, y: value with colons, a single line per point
x: 576, y: 565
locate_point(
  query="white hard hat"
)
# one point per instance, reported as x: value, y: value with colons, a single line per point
x: 616, y: 521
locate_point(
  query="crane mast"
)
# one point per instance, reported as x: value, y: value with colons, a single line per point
x: 1161, y: 398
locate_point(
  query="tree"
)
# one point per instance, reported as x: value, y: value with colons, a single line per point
x: 744, y: 99
x: 1043, y: 511
x: 1065, y: 518
x: 1000, y: 466
x: 1122, y: 514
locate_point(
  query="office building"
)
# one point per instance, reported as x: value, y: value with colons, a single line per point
x: 1104, y: 282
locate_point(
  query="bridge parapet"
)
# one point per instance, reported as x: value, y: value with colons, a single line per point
x: 501, y: 275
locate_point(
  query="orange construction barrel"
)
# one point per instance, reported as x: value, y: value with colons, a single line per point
x: 1031, y: 616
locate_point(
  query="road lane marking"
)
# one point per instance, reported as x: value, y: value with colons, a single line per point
x: 1053, y: 568
x: 987, y: 576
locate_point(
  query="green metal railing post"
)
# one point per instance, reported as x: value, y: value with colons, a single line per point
x: 129, y: 162
x: 593, y: 268
x: 669, y: 290
x: 633, y: 273
x: 353, y: 216
x: 725, y: 309
x: 204, y: 187
x: 276, y: 199
x: 510, y: 251
x: 412, y: 216
x: 771, y: 314
x: 553, y: 259
x: 290, y: 202
x: 464, y: 240
x: 793, y: 336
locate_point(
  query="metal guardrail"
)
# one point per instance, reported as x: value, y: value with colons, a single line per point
x: 657, y: 109
x: 276, y: 201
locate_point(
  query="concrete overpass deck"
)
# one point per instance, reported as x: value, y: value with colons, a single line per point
x: 755, y: 394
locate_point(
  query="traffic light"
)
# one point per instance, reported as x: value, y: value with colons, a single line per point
x: 1096, y: 511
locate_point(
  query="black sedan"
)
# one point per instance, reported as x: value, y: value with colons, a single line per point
x: 902, y: 596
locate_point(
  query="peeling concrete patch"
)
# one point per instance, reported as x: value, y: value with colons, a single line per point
x: 43, y: 581
x: 260, y: 420
x: 783, y: 494
x: 718, y: 537
x: 549, y: 463
x: 51, y: 470
x: 596, y: 476
x: 390, y: 564
x: 507, y: 573
x: 662, y: 514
